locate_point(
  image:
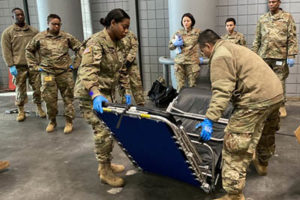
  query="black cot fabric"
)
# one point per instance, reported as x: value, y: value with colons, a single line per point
x: 196, y: 100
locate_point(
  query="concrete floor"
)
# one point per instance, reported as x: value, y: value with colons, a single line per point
x: 55, y: 166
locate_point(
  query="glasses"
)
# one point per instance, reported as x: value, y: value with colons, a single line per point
x: 56, y: 24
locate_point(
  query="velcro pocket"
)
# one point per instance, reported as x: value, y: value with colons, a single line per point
x: 237, y: 142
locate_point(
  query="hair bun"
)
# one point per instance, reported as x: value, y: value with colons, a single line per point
x: 103, y: 21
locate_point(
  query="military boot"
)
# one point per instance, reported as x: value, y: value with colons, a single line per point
x: 40, y: 111
x: 21, y: 114
x: 107, y: 176
x: 282, y: 111
x: 4, y: 164
x: 115, y: 168
x: 69, y: 126
x: 51, y: 125
x: 232, y: 197
x: 262, y: 170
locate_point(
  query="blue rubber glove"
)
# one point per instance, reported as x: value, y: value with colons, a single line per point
x: 128, y: 99
x: 97, y: 103
x: 13, y: 70
x: 207, y: 129
x: 178, y: 42
x: 71, y: 67
x: 290, y: 62
x: 201, y: 60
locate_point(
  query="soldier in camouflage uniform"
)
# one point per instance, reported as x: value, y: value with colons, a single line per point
x: 232, y: 35
x: 55, y: 66
x: 276, y: 42
x: 14, y: 40
x: 241, y: 76
x: 188, y: 53
x: 130, y: 68
x: 98, y: 77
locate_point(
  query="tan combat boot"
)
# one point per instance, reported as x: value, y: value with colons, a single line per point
x: 232, y: 197
x: 4, y: 164
x: 262, y: 170
x: 69, y: 126
x: 107, y: 176
x: 115, y: 168
x: 21, y: 114
x: 282, y: 111
x: 51, y: 125
x: 40, y: 111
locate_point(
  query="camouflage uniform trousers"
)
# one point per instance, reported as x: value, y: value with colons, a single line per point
x: 63, y: 82
x: 189, y: 72
x: 281, y: 69
x: 248, y: 131
x: 102, y: 136
x: 135, y: 86
x: 34, y: 79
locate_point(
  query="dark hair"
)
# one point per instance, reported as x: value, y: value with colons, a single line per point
x: 13, y: 10
x: 52, y: 16
x: 208, y: 36
x: 116, y: 14
x: 230, y: 20
x: 189, y: 15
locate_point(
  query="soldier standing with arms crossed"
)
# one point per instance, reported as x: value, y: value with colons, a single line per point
x: 98, y: 77
x: 276, y: 42
x: 55, y: 66
x: 239, y: 75
x: 14, y: 40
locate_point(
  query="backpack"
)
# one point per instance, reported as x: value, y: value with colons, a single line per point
x: 161, y: 95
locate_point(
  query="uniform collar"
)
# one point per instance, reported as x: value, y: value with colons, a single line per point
x: 277, y: 15
x: 110, y: 42
x: 217, y: 44
x: 187, y: 32
x: 48, y: 34
x: 18, y: 28
x: 233, y: 33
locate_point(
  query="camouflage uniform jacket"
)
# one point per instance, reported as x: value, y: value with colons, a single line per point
x: 131, y: 46
x: 190, y: 50
x: 236, y: 38
x: 14, y: 40
x: 240, y: 75
x: 98, y: 73
x: 53, y: 51
x: 276, y: 36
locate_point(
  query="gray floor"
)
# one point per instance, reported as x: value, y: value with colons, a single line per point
x: 54, y: 166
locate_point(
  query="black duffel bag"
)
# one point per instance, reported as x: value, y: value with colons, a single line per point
x: 161, y: 95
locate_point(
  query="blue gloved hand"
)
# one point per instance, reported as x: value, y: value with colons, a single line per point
x: 290, y: 62
x: 41, y: 69
x: 178, y: 42
x: 13, y: 70
x: 178, y: 50
x: 97, y: 103
x: 207, y: 129
x: 71, y: 67
x: 201, y: 60
x: 128, y: 99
